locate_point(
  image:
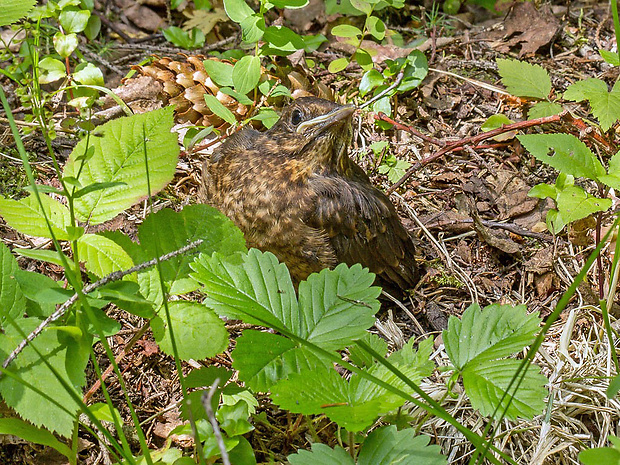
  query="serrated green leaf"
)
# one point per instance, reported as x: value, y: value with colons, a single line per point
x: 198, y: 331
x: 262, y: 359
x: 610, y: 57
x: 12, y: 11
x: 32, y: 286
x: 219, y: 71
x: 27, y: 432
x: 26, y: 216
x: 321, y: 455
x: 119, y: 157
x: 485, y: 384
x: 237, y: 10
x: 574, y: 204
x: 524, y: 79
x: 605, y: 104
x: 74, y: 19
x: 338, y: 305
x: 103, y: 256
x: 612, y: 178
x: 387, y: 446
x: 69, y: 359
x: 544, y: 108
x: 565, y: 153
x: 360, y: 357
x: 12, y: 300
x: 494, y: 332
x: 219, y: 109
x: 96, y: 186
x: 246, y: 74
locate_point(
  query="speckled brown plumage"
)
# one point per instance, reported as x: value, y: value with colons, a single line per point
x: 294, y: 191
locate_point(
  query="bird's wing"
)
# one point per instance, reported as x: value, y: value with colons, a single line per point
x: 363, y: 227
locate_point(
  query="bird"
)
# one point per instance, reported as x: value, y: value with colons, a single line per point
x: 294, y: 191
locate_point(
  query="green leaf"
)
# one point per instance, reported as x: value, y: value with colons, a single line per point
x: 363, y: 59
x: 268, y: 117
x: 371, y: 79
x: 219, y: 109
x: 65, y: 44
x: 246, y: 74
x: 387, y: 446
x: 119, y: 157
x: 610, y: 57
x: 74, y: 19
x: 237, y: 10
x: 26, y: 216
x: 27, y: 432
x: 34, y: 286
x: 93, y: 27
x: 103, y: 412
x: 241, y: 454
x: 96, y: 186
x: 605, y: 104
x: 523, y: 79
x: 542, y: 191
x: 219, y: 71
x: 346, y: 30
x: 363, y: 6
x: 102, y: 256
x: 290, y: 4
x: 89, y: 75
x: 12, y: 300
x: 66, y: 355
x: 321, y: 455
x: 51, y: 256
x: 198, y: 332
x: 51, y: 70
x: 612, y: 179
x: 599, y: 455
x: 494, y: 122
x: 544, y: 108
x: 416, y: 69
x: 284, y: 39
x: 241, y: 98
x: 375, y: 27
x: 494, y: 332
x: 338, y: 65
x: 184, y: 39
x: 12, y: 11
x: 360, y: 357
x: 486, y: 384
x: 252, y: 28
x: 565, y: 153
x: 574, y: 204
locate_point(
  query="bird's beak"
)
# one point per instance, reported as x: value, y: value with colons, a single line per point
x: 325, y: 121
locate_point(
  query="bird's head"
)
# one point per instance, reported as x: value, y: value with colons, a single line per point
x: 316, y: 131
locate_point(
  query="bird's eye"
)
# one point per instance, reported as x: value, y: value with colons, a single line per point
x: 296, y: 117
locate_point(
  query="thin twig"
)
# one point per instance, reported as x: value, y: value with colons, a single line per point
x: 206, y: 402
x: 115, y: 276
x: 399, y: 78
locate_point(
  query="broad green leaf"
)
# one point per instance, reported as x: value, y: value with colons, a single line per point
x: 65, y: 44
x: 574, y: 203
x: 103, y: 256
x: 254, y: 287
x: 554, y: 221
x: 237, y: 10
x: 494, y: 332
x: 166, y: 231
x: 51, y: 70
x: 363, y: 6
x: 234, y: 419
x: 565, y: 153
x: 120, y: 148
x: 338, y: 306
x: 612, y: 178
x: 103, y: 412
x: 599, y: 455
x: 89, y: 75
x: 93, y: 27
x: 241, y: 454
x: 610, y: 57
x: 246, y: 74
x: 542, y: 191
x: 241, y: 98
x: 346, y: 30
x: 51, y: 256
x: 26, y: 216
x: 27, y: 432
x: 360, y: 357
x: 371, y: 79
x: 387, y: 446
x: 290, y: 4
x: 494, y: 122
x: 74, y: 19
x: 12, y: 300
x: 66, y: 355
x: 12, y: 11
x: 523, y: 79
x: 415, y: 71
x: 219, y: 71
x: 33, y: 285
x: 486, y: 384
x: 321, y: 455
x: 268, y: 117
x: 219, y: 109
x: 544, y: 108
x: 198, y: 331
x: 263, y: 358
x: 252, y: 28
x: 363, y: 59
x: 284, y: 39
x: 605, y: 104
x: 338, y: 65
x: 375, y: 27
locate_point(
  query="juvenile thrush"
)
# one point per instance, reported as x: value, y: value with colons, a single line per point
x: 294, y: 191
